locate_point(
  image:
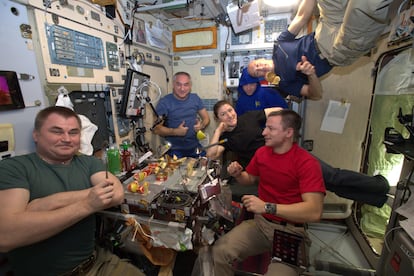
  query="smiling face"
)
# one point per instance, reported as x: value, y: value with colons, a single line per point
x: 58, y: 139
x: 275, y: 134
x: 227, y: 115
x: 181, y: 86
x: 260, y: 67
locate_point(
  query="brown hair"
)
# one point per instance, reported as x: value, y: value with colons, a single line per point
x: 60, y: 110
x: 290, y: 119
x: 219, y: 104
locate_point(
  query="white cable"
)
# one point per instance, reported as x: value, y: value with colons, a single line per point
x: 386, y: 236
x: 148, y: 84
x: 137, y: 226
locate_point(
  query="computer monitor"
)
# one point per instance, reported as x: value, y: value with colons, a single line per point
x: 10, y: 94
x: 132, y: 102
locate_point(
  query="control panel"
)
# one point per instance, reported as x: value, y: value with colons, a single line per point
x: 80, y: 42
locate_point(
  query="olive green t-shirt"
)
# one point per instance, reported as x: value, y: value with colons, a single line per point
x: 64, y: 251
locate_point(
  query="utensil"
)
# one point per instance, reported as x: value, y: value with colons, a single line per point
x: 105, y: 157
x: 222, y: 141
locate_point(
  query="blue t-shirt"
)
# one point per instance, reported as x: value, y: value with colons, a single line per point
x: 178, y: 111
x: 287, y: 52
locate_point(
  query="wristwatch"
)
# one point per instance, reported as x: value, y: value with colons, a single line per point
x: 270, y: 208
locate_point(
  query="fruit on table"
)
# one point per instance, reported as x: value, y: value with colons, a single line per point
x: 140, y: 176
x: 200, y: 135
x: 145, y: 188
x: 133, y: 187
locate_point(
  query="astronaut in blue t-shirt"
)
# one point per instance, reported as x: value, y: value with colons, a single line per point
x: 185, y: 115
x: 253, y: 96
x: 346, y: 30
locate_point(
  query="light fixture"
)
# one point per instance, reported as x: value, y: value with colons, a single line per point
x: 280, y: 3
x: 175, y: 4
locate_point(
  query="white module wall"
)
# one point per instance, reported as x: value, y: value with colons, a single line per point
x: 17, y: 55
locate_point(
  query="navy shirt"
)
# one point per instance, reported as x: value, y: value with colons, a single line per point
x: 262, y: 97
x: 287, y: 52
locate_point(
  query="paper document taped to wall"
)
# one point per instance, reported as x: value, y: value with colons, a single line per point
x: 335, y: 117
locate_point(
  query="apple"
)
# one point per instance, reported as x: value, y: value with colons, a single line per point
x: 140, y: 189
x: 142, y: 175
x: 133, y: 187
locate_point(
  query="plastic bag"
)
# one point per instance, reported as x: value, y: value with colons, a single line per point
x: 374, y: 220
x: 204, y: 265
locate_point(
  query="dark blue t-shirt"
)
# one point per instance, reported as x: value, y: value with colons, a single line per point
x: 287, y: 52
x: 263, y: 98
